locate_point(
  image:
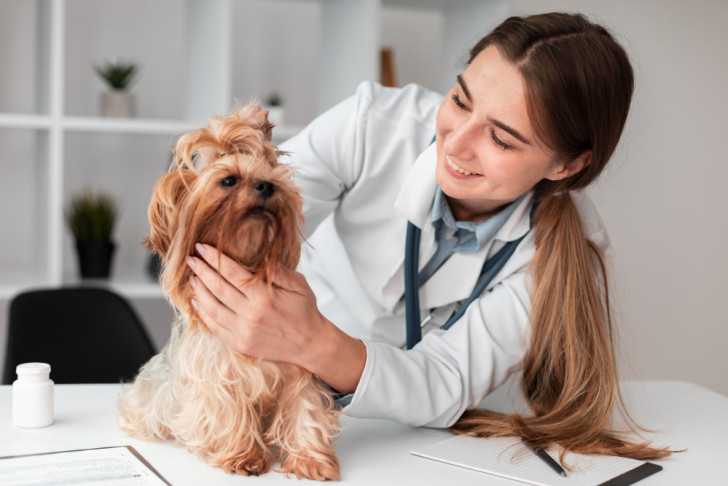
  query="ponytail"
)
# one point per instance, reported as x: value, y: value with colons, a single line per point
x: 569, y: 373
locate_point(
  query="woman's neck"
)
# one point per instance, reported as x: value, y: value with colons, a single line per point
x: 462, y: 210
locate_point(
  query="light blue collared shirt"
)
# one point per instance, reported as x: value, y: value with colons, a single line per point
x: 460, y: 236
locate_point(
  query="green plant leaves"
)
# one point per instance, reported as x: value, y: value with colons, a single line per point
x: 118, y: 75
x: 91, y: 216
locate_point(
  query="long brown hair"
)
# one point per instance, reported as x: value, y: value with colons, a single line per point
x: 579, y: 85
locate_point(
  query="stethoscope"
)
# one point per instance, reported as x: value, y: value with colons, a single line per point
x: 490, y: 269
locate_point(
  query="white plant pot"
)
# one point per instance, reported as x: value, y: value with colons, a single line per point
x: 119, y: 104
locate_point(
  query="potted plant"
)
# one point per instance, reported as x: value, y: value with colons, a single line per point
x: 274, y: 105
x: 91, y: 218
x: 118, y: 102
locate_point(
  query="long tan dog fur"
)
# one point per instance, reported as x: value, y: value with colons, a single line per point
x: 226, y: 188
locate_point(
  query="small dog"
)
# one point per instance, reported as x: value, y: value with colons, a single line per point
x: 233, y: 411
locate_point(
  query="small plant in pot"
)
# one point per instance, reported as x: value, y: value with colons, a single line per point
x: 118, y: 102
x: 91, y: 218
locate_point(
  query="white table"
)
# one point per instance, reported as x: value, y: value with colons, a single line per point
x: 376, y: 452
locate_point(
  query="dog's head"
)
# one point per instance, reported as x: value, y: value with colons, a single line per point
x: 227, y: 189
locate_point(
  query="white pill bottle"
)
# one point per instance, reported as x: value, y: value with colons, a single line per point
x: 33, y: 396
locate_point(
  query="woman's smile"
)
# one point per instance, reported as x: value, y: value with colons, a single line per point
x: 458, y: 171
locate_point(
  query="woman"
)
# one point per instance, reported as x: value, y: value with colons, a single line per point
x: 535, y: 116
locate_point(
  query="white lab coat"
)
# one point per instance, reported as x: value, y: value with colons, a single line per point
x: 369, y: 161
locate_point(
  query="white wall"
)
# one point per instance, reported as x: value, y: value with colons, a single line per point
x: 467, y: 23
x: 296, y: 53
x: 415, y: 35
x: 663, y: 198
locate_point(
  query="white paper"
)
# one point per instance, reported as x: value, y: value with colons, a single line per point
x: 510, y: 458
x: 115, y: 466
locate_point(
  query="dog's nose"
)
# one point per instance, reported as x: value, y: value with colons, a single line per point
x: 264, y: 188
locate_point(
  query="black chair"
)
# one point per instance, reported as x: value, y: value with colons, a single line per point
x: 86, y: 334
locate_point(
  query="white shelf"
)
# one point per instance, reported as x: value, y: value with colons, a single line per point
x: 130, y: 288
x: 13, y: 283
x: 136, y: 126
x: 134, y: 290
x: 21, y: 121
x: 127, y: 125
x: 90, y: 124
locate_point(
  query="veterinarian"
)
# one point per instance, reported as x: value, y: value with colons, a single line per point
x: 531, y: 121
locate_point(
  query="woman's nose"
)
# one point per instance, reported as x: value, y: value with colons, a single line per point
x: 460, y: 141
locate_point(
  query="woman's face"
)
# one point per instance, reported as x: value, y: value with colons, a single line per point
x: 487, y: 153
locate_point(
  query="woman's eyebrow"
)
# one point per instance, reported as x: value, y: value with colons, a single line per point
x: 498, y: 123
x: 464, y: 87
x: 510, y: 130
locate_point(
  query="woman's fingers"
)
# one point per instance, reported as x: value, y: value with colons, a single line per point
x: 208, y: 306
x: 202, y: 302
x: 221, y: 315
x: 216, y: 286
x: 222, y: 289
x: 234, y: 273
x: 224, y: 279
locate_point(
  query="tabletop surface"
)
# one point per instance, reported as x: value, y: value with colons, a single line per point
x: 682, y: 415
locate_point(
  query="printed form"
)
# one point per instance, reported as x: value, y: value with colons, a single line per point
x: 118, y: 466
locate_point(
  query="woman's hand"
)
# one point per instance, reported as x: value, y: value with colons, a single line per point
x: 280, y: 324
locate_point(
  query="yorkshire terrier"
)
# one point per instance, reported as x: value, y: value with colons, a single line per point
x: 226, y: 188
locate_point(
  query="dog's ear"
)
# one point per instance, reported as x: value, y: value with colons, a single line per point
x: 168, y: 196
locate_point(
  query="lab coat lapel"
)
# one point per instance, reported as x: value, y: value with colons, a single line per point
x: 517, y: 224
x: 414, y: 202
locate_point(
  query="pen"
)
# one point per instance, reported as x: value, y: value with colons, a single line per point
x: 543, y: 455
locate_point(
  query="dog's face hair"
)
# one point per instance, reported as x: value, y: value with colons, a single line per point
x: 243, y: 202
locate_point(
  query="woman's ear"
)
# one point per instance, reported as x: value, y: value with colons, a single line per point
x: 567, y: 169
x: 168, y: 196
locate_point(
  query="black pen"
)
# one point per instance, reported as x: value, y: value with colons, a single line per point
x: 543, y: 455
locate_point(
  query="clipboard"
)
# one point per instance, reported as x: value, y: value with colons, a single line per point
x: 509, y: 458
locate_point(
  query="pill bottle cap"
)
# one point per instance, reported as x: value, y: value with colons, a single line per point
x: 33, y: 371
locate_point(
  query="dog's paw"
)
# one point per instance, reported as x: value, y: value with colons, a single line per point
x: 320, y: 469
x: 247, y: 466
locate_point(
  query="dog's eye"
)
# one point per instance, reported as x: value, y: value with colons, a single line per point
x: 229, y: 181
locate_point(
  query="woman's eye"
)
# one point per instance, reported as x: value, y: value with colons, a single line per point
x: 456, y: 100
x: 498, y: 141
